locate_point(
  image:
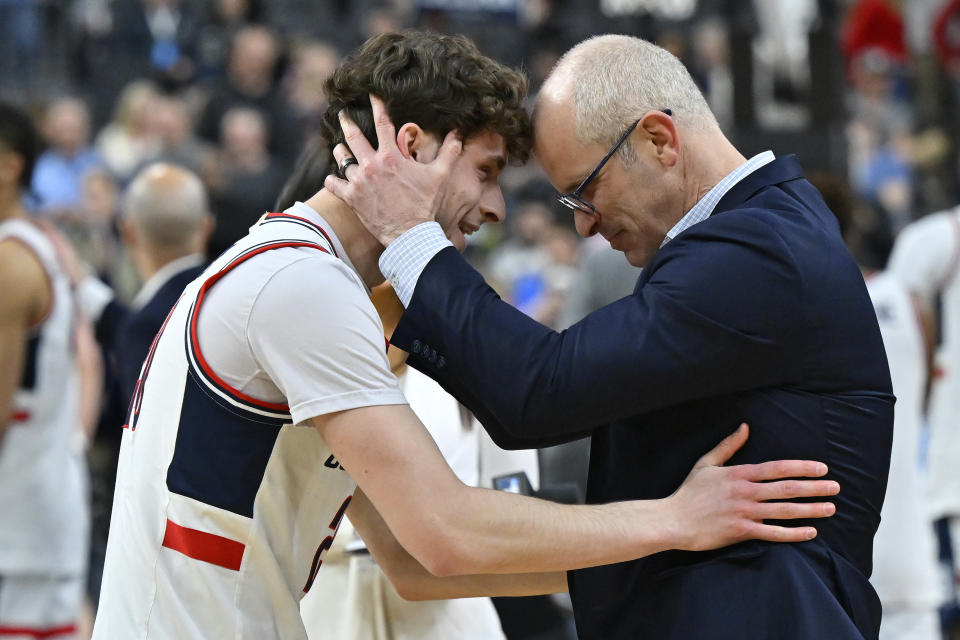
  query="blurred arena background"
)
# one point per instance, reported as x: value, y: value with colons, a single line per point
x: 865, y: 92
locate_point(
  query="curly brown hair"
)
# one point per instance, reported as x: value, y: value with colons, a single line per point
x: 441, y: 83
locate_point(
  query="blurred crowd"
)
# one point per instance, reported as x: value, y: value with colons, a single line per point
x: 232, y: 89
x: 866, y: 92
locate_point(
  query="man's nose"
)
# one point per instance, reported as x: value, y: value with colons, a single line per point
x: 493, y: 207
x: 586, y: 223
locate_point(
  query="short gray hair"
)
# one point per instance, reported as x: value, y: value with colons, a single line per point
x: 168, y: 203
x: 615, y: 79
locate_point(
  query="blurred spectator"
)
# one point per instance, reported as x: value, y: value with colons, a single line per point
x: 603, y: 277
x: 946, y: 37
x: 21, y: 42
x: 58, y: 176
x: 712, y: 62
x: 166, y: 223
x: 885, y: 175
x: 154, y: 39
x: 522, y: 254
x: 495, y: 25
x: 251, y: 82
x: 332, y: 20
x: 248, y: 177
x: 558, y: 275
x: 178, y: 144
x: 128, y: 140
x: 874, y: 25
x: 94, y: 234
x: 536, y: 266
x: 311, y: 64
x: 224, y: 20
x: 881, y: 151
x: 376, y: 20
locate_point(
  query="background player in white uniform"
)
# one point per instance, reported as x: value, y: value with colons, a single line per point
x: 905, y: 563
x: 926, y: 258
x: 904, y: 550
x: 43, y: 510
x: 270, y: 381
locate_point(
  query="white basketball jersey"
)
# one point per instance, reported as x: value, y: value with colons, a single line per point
x: 224, y: 510
x: 926, y: 258
x: 42, y: 483
x: 945, y: 391
x: 905, y: 564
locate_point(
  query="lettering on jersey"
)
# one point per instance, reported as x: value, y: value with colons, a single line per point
x: 332, y: 463
x: 326, y: 544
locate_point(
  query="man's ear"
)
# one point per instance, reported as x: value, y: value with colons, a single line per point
x: 416, y: 143
x: 659, y: 129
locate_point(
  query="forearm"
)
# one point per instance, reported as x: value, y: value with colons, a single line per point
x: 414, y: 582
x: 495, y: 532
x: 453, y: 529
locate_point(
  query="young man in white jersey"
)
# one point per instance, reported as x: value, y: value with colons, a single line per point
x: 266, y: 408
x: 44, y: 521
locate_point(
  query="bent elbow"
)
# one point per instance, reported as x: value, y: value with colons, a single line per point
x: 442, y: 561
x: 409, y: 588
x: 444, y: 554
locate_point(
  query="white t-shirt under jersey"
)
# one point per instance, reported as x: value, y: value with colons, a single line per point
x: 297, y: 326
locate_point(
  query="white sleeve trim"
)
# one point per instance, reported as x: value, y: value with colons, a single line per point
x: 352, y: 400
x: 406, y: 257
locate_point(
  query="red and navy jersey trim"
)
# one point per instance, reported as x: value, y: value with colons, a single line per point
x: 303, y: 222
x: 204, y: 546
x: 133, y: 410
x: 270, y: 412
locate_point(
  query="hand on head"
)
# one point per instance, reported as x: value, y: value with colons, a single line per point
x: 389, y: 190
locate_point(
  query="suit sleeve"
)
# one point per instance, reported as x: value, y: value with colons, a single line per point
x: 717, y: 314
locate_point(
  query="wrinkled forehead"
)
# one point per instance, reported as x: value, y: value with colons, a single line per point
x: 563, y: 156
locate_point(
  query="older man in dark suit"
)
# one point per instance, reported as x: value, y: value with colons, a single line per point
x: 749, y: 307
x: 166, y: 223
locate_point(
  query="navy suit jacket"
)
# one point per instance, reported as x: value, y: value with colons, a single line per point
x: 126, y: 336
x: 757, y: 314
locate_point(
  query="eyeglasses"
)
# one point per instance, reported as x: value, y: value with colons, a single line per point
x: 574, y: 199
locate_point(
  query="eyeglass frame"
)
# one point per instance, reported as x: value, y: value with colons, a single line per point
x: 573, y: 200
